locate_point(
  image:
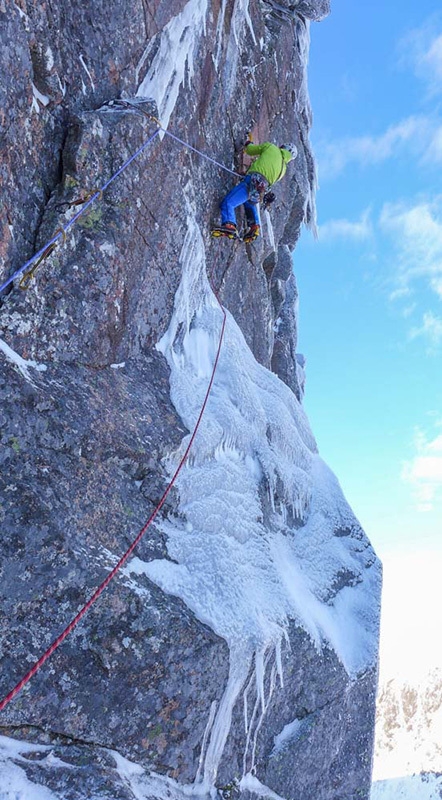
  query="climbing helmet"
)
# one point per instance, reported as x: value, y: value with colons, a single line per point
x: 293, y: 150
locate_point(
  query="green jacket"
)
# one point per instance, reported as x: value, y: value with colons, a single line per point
x: 271, y: 162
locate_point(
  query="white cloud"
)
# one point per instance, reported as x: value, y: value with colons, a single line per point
x: 411, y: 599
x: 346, y: 229
x: 433, y: 59
x: 408, y: 310
x: 414, y: 135
x: 436, y: 285
x: 400, y: 293
x: 424, y: 471
x: 417, y: 237
x: 419, y: 135
x: 422, y: 49
x: 433, y: 153
x: 431, y: 329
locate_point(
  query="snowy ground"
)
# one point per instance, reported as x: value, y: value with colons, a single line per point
x: 129, y: 777
x: 413, y: 787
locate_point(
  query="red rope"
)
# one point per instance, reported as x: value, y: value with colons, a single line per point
x: 57, y: 642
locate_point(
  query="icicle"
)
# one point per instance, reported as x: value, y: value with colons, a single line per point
x: 174, y: 58
x: 204, y: 742
x: 239, y: 667
x: 278, y: 658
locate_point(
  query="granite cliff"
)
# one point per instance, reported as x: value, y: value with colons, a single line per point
x: 237, y: 650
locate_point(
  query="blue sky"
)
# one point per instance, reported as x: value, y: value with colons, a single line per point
x: 371, y: 287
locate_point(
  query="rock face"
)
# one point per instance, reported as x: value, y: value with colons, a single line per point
x: 93, y: 415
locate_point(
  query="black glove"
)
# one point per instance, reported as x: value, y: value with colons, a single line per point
x: 268, y: 198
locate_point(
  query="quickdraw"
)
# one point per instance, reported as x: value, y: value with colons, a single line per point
x: 83, y: 198
x: 26, y: 279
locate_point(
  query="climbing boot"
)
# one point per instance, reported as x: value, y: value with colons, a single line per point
x: 229, y: 230
x: 251, y: 234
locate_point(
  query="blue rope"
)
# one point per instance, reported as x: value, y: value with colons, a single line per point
x: 84, y: 207
x: 200, y: 153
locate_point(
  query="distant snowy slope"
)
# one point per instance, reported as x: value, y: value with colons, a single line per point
x: 409, y: 726
x: 413, y: 787
x: 409, y: 704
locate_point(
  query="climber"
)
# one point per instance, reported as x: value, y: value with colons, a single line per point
x: 268, y: 168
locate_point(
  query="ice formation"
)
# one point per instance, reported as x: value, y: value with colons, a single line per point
x: 14, y: 783
x: 241, y: 575
x: 174, y: 60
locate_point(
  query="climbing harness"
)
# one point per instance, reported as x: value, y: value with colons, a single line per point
x: 258, y: 187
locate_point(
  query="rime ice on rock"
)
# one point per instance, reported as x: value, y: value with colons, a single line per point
x: 174, y: 60
x: 243, y: 578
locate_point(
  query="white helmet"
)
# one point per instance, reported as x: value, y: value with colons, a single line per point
x: 293, y: 150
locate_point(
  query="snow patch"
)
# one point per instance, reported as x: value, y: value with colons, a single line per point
x: 38, y: 97
x: 290, y: 732
x: 250, y: 783
x: 22, y: 364
x: 269, y: 230
x: 84, y: 65
x: 219, y: 34
x: 108, y: 249
x: 62, y: 86
x: 49, y: 56
x: 240, y: 17
x: 21, y: 13
x: 14, y: 784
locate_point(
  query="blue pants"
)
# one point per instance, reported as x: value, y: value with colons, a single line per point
x: 237, y: 197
